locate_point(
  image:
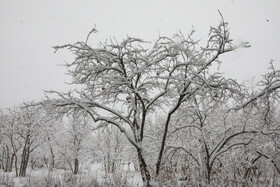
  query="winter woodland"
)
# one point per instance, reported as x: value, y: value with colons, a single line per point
x: 147, y: 114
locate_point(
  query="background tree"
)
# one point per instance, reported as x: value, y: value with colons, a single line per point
x: 207, y: 133
x: 22, y: 132
x: 77, y: 131
x: 10, y: 143
x: 29, y: 125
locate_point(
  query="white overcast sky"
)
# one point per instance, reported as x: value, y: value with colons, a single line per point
x: 28, y: 29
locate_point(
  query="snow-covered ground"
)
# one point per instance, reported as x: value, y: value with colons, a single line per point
x: 89, y: 175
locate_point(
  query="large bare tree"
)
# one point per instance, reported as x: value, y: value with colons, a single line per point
x: 124, y: 83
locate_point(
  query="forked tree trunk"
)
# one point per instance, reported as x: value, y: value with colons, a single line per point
x: 25, y: 157
x: 145, y: 173
x: 209, y: 176
x: 24, y: 163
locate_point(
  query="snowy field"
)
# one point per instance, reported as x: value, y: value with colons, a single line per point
x: 92, y: 175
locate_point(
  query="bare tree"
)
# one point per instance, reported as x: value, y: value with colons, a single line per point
x: 207, y: 130
x: 21, y: 128
x: 124, y: 83
x: 77, y: 131
x: 9, y: 132
x: 29, y: 125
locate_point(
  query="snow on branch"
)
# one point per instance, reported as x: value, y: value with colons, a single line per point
x: 271, y: 84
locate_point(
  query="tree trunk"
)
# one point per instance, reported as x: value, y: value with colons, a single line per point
x: 51, y: 167
x: 16, y: 167
x: 146, y: 177
x: 209, y: 176
x: 24, y: 158
x: 6, y: 169
x: 11, y: 163
x: 208, y: 170
x: 52, y: 162
x: 23, y: 164
x: 76, y: 166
